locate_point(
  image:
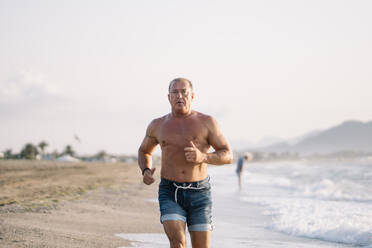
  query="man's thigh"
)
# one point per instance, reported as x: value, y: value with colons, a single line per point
x: 175, y: 230
x: 200, y: 239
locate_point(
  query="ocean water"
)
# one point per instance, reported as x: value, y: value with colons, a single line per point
x: 325, y: 201
x: 288, y: 204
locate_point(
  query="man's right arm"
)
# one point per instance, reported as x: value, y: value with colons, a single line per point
x: 145, y: 154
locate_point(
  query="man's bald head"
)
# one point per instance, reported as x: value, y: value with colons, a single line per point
x: 179, y: 80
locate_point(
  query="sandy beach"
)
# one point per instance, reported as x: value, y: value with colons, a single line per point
x: 49, y: 204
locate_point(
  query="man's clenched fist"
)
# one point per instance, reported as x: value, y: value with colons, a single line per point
x: 193, y: 154
x: 147, y: 176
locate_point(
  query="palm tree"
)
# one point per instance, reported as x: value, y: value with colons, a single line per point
x: 69, y: 151
x: 42, y: 146
x: 29, y: 151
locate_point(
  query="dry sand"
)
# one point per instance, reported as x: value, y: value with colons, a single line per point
x: 50, y: 204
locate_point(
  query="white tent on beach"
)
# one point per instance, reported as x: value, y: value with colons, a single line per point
x: 68, y: 158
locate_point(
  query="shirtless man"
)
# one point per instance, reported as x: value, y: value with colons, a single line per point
x: 185, y: 137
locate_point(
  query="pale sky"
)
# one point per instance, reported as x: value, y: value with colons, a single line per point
x: 101, y: 69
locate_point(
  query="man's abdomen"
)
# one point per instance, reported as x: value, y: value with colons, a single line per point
x: 181, y: 171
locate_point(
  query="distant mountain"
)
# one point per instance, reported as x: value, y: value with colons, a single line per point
x: 241, y: 144
x: 349, y: 135
x: 303, y: 137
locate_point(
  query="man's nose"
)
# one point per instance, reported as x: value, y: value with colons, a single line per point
x: 179, y: 95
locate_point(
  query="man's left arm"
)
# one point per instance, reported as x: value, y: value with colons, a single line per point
x: 221, y: 155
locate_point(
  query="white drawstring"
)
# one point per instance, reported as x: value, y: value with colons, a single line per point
x: 183, y: 187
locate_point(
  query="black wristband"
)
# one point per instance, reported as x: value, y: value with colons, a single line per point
x: 143, y: 171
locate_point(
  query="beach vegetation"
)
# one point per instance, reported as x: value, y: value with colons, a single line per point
x: 69, y: 151
x: 42, y: 145
x: 29, y: 151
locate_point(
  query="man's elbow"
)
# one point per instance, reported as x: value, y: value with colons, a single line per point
x: 143, y: 153
x: 229, y: 157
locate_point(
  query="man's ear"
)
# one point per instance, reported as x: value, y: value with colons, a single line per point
x: 192, y: 95
x: 169, y: 97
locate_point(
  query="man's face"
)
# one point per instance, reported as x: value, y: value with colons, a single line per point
x: 180, y: 96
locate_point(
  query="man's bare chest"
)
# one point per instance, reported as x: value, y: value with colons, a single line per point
x: 173, y: 133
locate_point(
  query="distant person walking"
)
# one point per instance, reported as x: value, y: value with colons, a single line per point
x: 239, y: 166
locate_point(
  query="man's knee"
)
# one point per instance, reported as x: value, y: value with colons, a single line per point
x: 175, y: 231
x: 177, y: 243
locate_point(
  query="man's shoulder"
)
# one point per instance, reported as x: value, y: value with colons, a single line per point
x: 154, y: 125
x: 203, y: 117
x: 206, y: 119
x: 155, y: 122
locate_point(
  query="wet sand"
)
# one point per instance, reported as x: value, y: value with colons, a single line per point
x: 50, y: 204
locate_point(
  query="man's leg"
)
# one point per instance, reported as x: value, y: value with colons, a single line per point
x: 175, y: 230
x: 199, y: 219
x: 200, y: 239
x: 240, y: 181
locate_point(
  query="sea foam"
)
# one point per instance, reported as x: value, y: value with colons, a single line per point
x: 327, y: 202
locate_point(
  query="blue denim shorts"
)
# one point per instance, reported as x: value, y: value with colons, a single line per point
x: 189, y: 202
